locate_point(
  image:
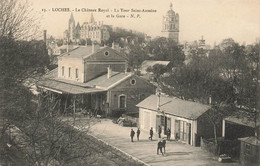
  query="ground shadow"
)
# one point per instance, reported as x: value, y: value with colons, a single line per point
x: 177, y: 153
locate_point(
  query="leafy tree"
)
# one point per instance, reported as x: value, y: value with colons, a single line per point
x: 228, y: 75
x: 136, y: 56
x: 59, y: 42
x: 82, y: 42
x: 158, y: 70
x: 166, y: 50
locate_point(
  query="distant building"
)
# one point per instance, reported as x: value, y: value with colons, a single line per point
x: 97, y: 77
x: 170, y: 25
x: 95, y: 31
x: 89, y: 30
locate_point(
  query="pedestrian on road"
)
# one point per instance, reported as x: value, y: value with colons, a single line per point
x: 164, y: 144
x: 151, y: 134
x: 168, y: 134
x: 159, y: 146
x: 138, y: 133
x: 160, y: 131
x: 132, y: 134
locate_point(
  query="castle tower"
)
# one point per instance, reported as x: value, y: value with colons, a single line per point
x: 71, y: 27
x: 170, y: 24
x: 92, y: 20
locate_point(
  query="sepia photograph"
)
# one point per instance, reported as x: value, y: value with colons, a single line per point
x: 133, y: 82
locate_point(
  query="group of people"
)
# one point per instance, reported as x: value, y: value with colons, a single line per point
x: 132, y: 134
x: 161, y: 142
x: 168, y: 133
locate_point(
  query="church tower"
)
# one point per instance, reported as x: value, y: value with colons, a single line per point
x: 170, y: 24
x: 71, y: 27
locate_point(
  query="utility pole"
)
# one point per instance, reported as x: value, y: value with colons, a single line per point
x: 257, y: 113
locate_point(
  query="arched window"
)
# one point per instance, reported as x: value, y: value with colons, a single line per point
x: 122, y: 101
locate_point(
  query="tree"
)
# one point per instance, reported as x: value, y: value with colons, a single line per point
x: 18, y: 20
x: 136, y: 56
x: 82, y: 42
x: 19, y: 58
x: 228, y: 75
x: 166, y: 50
x: 59, y: 42
x: 158, y: 70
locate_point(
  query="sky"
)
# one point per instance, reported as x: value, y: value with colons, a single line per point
x: 214, y: 19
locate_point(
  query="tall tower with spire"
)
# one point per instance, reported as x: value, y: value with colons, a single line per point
x: 71, y: 27
x: 170, y: 26
x: 92, y: 20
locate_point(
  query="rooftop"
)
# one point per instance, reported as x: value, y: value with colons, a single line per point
x: 175, y: 106
x: 101, y: 83
x: 250, y: 140
x: 241, y: 120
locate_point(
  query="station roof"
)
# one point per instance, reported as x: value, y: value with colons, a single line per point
x: 175, y: 106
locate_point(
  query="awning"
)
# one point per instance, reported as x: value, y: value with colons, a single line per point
x: 65, y: 88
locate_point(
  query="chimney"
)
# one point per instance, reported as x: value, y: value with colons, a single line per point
x: 113, y: 45
x: 109, y: 72
x: 45, y: 37
x: 210, y: 100
x: 95, y: 47
x: 158, y: 93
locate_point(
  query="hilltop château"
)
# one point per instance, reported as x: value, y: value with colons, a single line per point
x: 93, y: 30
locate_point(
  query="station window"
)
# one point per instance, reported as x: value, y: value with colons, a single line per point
x: 69, y: 71
x: 106, y: 53
x: 62, y: 70
x: 122, y: 101
x: 77, y: 73
x: 132, y: 81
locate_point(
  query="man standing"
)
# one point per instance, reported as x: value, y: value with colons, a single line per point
x: 138, y: 133
x: 151, y: 134
x: 132, y: 134
x: 160, y: 131
x: 168, y: 134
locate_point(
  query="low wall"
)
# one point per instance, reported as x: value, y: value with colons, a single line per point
x: 209, y: 146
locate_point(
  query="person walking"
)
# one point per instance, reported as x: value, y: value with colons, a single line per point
x: 151, y: 134
x: 159, y: 131
x: 159, y: 146
x: 132, y: 134
x: 138, y: 134
x: 168, y: 134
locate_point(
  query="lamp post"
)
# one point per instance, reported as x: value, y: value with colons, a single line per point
x: 158, y: 93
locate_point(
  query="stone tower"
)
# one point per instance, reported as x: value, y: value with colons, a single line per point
x: 170, y: 24
x: 71, y: 27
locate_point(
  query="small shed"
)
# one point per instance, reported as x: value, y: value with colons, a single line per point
x: 250, y: 151
x: 185, y: 119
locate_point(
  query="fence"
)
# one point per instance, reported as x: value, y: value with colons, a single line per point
x: 230, y: 147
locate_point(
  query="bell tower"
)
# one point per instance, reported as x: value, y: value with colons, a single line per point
x: 170, y: 25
